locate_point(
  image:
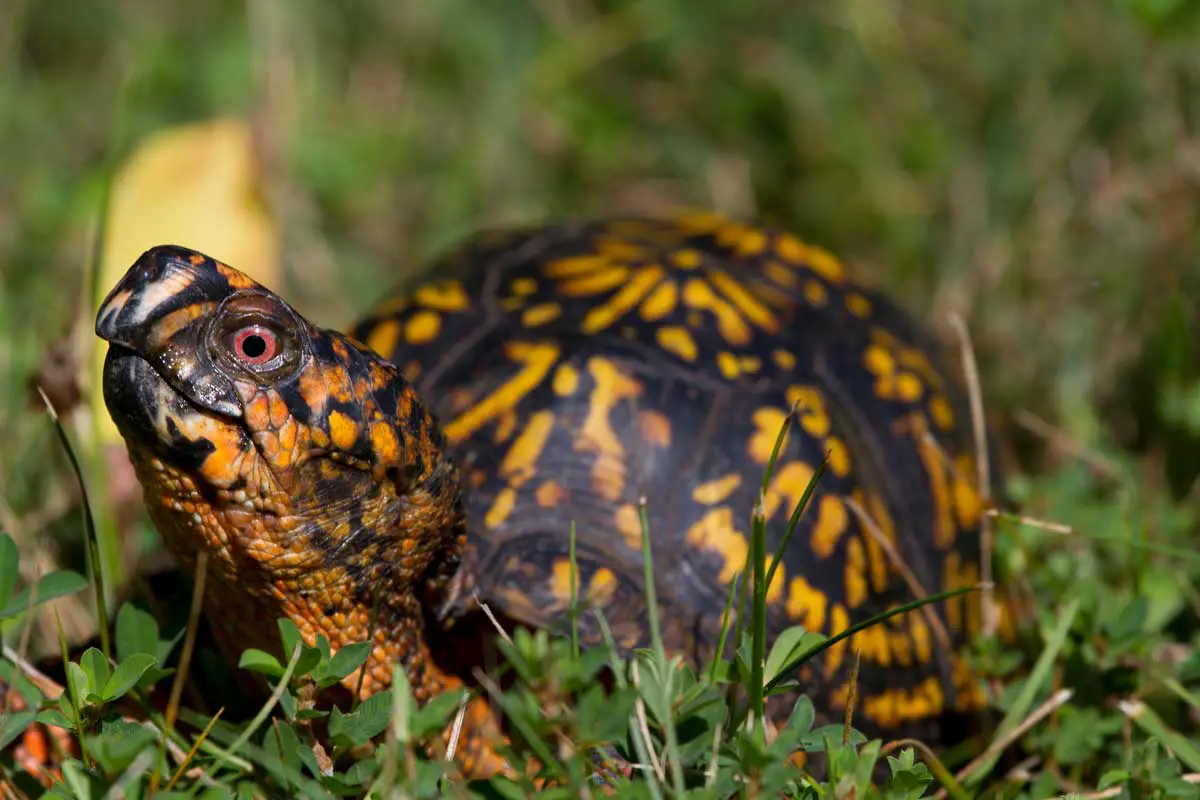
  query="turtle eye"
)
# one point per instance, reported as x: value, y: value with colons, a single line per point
x: 255, y: 345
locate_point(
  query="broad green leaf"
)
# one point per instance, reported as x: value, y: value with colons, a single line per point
x: 260, y: 661
x: 77, y: 679
x: 13, y: 725
x: 366, y: 721
x: 137, y: 632
x: 95, y: 666
x: 289, y: 635
x: 51, y: 587
x: 1113, y: 777
x: 127, y: 673
x: 347, y: 659
x: 788, y: 645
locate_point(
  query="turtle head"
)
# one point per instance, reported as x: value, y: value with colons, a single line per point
x: 301, y: 462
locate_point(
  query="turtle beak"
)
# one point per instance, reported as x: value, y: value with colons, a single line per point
x: 157, y: 312
x: 163, y: 280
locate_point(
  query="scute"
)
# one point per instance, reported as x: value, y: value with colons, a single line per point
x: 580, y: 370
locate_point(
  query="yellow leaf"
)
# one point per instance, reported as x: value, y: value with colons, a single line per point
x: 199, y: 186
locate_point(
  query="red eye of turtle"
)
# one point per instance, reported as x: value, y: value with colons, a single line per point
x: 255, y: 345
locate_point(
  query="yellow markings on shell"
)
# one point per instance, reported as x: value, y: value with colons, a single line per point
x: 686, y: 258
x: 497, y: 515
x: 768, y: 420
x: 523, y: 286
x: 961, y: 613
x: 566, y: 380
x: 789, y: 482
x: 629, y: 524
x: 858, y: 305
x: 678, y: 341
x: 422, y: 327
x: 549, y: 494
x: 599, y: 590
x: 746, y: 302
x: 918, y: 631
x: 810, y: 409
x: 818, y: 259
x: 733, y: 366
x: 878, y: 361
x: 343, y: 431
x: 715, y: 532
x: 700, y: 221
x: 595, y: 282
x: 535, y: 359
x: 780, y: 274
x: 815, y: 293
x: 520, y: 462
x: 698, y: 294
x: 654, y: 427
x: 751, y: 242
x: 876, y: 557
x: 560, y: 580
x: 968, y: 505
x: 855, y: 573
x: 540, y: 314
x: 661, y: 302
x: 717, y: 490
x: 909, y: 387
x: 831, y: 524
x: 806, y: 604
x: 839, y: 456
x: 621, y: 303
x: 893, y: 707
x: 576, y: 265
x: 939, y: 409
x: 384, y: 337
x: 384, y: 443
x: 619, y: 250
x: 839, y: 620
x: 601, y: 587
x: 872, y: 642
x: 506, y: 422
x: 784, y: 359
x: 596, y: 435
x: 944, y: 530
x: 448, y: 296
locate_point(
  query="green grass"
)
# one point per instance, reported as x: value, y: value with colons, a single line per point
x: 1030, y: 166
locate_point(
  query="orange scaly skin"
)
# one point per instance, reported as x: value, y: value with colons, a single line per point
x: 569, y: 371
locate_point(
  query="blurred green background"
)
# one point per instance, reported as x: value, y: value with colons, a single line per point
x: 1032, y: 166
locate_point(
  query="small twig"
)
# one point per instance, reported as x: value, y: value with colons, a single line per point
x: 991, y: 612
x: 1065, y: 443
x: 492, y: 618
x: 1033, y: 522
x: 1001, y: 744
x: 901, y: 566
x: 456, y: 731
x: 187, y: 759
x: 851, y: 697
x: 644, y: 726
x: 45, y: 684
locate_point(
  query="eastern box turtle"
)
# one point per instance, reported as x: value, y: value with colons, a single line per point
x: 438, y: 455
